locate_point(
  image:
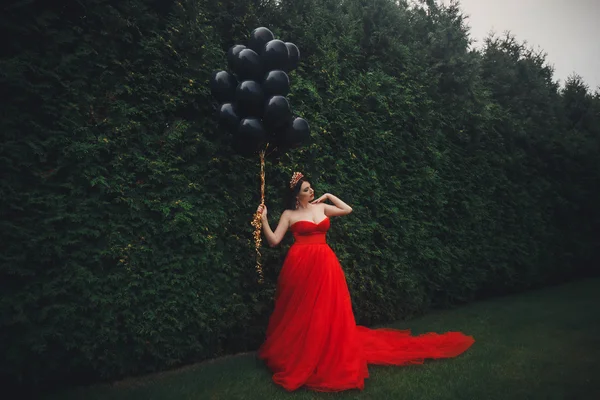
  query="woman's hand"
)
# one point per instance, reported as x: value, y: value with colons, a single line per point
x: 321, y: 199
x: 262, y: 210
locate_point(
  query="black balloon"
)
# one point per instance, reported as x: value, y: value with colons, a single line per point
x: 277, y: 112
x: 297, y: 133
x: 275, y: 55
x: 277, y: 136
x: 223, y: 86
x: 247, y: 65
x: 259, y: 37
x: 229, y: 117
x: 252, y: 96
x: 250, y: 99
x: 294, y: 56
x: 250, y: 136
x: 276, y: 82
x: 232, y: 54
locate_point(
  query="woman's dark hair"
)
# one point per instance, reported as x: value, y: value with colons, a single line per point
x: 292, y: 194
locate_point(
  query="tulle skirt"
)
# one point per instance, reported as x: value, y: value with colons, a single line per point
x: 312, y: 338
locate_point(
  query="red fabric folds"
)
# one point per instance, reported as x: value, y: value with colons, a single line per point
x: 312, y: 338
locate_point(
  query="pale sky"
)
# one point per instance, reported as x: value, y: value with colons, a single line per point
x: 567, y: 31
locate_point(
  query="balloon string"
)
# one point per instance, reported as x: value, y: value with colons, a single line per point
x: 257, y: 221
x: 272, y: 150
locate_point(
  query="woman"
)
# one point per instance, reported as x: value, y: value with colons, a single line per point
x: 312, y: 338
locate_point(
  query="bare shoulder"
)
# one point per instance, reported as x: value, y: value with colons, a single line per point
x: 320, y: 206
x: 286, y: 215
x: 315, y: 206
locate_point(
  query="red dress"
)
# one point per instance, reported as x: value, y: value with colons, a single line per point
x: 312, y: 338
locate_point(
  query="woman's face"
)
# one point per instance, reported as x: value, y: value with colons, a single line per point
x: 306, y: 192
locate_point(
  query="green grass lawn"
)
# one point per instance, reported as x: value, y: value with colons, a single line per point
x: 543, y: 344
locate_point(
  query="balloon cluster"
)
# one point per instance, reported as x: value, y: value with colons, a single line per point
x: 253, y: 103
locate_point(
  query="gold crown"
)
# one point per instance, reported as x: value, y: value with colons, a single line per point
x: 295, y: 178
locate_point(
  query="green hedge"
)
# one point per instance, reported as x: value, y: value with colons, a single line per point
x: 126, y: 236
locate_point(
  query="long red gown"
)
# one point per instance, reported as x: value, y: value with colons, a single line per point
x: 312, y: 338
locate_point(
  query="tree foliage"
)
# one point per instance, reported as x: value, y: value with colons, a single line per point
x: 127, y: 246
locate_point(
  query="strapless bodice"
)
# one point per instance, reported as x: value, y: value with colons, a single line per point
x: 308, y: 232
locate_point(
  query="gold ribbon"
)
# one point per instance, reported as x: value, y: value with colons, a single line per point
x: 257, y: 221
